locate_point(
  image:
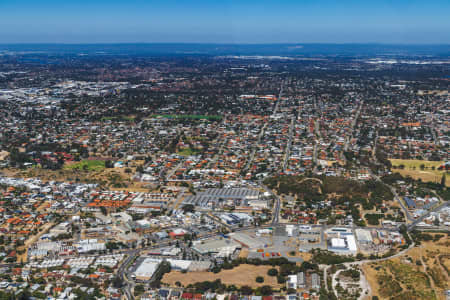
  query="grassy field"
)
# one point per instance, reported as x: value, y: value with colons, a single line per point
x: 105, y: 177
x: 410, y: 163
x: 239, y: 276
x: 419, y: 274
x: 87, y: 165
x: 120, y: 118
x: 191, y: 117
x: 187, y: 152
x: 422, y: 169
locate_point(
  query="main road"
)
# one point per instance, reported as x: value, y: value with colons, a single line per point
x: 421, y: 218
x: 354, y: 121
x: 263, y: 130
x: 289, y: 144
x: 359, y: 263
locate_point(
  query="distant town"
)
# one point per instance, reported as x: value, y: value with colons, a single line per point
x: 224, y: 176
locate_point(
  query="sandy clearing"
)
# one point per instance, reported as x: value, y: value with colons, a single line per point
x: 239, y: 276
x: 426, y: 253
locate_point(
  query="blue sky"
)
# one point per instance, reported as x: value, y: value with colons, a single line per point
x: 225, y: 21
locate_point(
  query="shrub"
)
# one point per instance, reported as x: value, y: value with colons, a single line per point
x: 272, y: 272
x: 281, y: 279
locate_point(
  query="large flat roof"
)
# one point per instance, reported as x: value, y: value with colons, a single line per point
x: 214, y: 245
x: 214, y: 194
x: 363, y: 235
x: 351, y: 243
x: 147, y: 268
x: 338, y: 243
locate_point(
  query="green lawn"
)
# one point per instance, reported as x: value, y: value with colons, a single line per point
x: 88, y: 165
x: 187, y: 152
x: 420, y: 169
x: 119, y: 118
x: 192, y: 117
x: 410, y: 163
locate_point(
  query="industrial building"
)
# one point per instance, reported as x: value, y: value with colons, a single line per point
x: 315, y: 281
x: 217, y: 197
x: 189, y: 265
x: 290, y: 230
x: 409, y: 202
x: 363, y: 236
x: 341, y: 241
x: 249, y: 241
x: 297, y: 281
x: 89, y: 245
x: 344, y: 245
x: 218, y: 247
x: 150, y: 265
x: 147, y: 269
x: 236, y: 218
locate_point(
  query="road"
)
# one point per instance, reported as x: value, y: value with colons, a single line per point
x: 173, y: 170
x: 276, y: 206
x: 405, y: 209
x: 33, y: 238
x: 121, y: 272
x: 263, y: 130
x: 133, y: 253
x: 394, y: 192
x: 289, y: 144
x: 361, y: 262
x: 374, y: 149
x: 396, y: 197
x: 317, y: 129
x: 221, y: 146
x: 421, y: 218
x: 318, y: 140
x: 354, y: 121
x: 177, y: 201
x: 275, y: 110
x: 258, y: 141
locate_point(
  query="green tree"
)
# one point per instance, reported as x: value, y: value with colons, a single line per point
x: 272, y: 272
x: 103, y: 210
x: 281, y: 279
x: 188, y: 208
x: 265, y: 290
x: 139, y: 289
x: 246, y: 290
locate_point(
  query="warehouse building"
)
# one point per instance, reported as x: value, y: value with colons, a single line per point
x: 249, y: 241
x: 217, y: 197
x: 315, y: 281
x: 343, y: 245
x: 409, y: 202
x: 217, y: 247
x: 363, y: 236
x: 147, y: 269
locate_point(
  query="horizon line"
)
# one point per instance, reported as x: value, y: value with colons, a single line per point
x: 227, y: 43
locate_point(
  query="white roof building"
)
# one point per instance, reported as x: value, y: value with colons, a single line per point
x: 346, y: 244
x: 363, y: 236
x: 338, y: 243
x: 147, y: 268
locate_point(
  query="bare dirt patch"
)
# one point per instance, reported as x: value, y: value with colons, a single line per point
x: 418, y: 274
x: 111, y: 178
x: 243, y: 253
x: 239, y: 276
x: 420, y: 169
x: 306, y: 256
